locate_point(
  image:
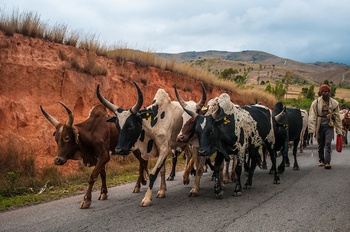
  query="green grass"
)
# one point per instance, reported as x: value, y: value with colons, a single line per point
x: 21, y: 190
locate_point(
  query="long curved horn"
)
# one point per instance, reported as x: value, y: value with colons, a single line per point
x: 183, y: 104
x: 70, y: 115
x: 201, y: 103
x: 280, y: 115
x: 139, y: 102
x: 104, y: 101
x: 51, y: 119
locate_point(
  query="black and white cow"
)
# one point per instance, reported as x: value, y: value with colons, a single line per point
x: 152, y: 130
x: 288, y: 124
x: 234, y: 129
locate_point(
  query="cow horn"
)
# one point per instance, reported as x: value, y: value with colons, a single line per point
x: 139, y: 102
x: 280, y: 115
x: 49, y: 117
x: 204, y: 97
x: 104, y: 101
x: 183, y: 104
x: 70, y: 115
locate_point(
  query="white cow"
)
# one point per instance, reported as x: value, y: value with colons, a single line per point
x: 152, y: 130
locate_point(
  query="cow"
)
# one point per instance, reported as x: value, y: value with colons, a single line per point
x: 152, y: 130
x: 91, y: 140
x: 304, y: 130
x: 187, y: 141
x: 188, y: 132
x: 187, y: 135
x: 233, y: 129
x: 345, y: 119
x: 288, y: 125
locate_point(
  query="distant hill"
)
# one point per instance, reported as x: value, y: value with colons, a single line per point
x: 264, y: 66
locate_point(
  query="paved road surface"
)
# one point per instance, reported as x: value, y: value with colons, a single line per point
x: 312, y: 199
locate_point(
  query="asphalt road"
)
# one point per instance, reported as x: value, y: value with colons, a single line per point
x: 311, y: 199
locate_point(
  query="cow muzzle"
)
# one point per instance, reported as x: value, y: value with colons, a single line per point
x: 60, y: 161
x: 182, y: 139
x: 202, y: 152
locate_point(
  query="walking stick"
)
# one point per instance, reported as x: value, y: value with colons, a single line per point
x: 312, y: 146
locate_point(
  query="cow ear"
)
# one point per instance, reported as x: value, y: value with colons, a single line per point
x: 146, y: 114
x: 76, y: 134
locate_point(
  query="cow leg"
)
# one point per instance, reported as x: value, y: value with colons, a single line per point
x: 200, y: 162
x: 273, y: 169
x: 104, y: 191
x: 217, y: 183
x: 238, y: 187
x: 233, y: 169
x: 100, y: 166
x: 208, y: 162
x: 226, y: 171
x: 264, y: 155
x: 247, y: 163
x: 295, y: 149
x: 188, y: 169
x: 143, y: 172
x: 147, y: 200
x: 175, y: 153
x: 285, y: 159
x: 253, y: 157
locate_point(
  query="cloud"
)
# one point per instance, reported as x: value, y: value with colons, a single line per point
x: 302, y: 30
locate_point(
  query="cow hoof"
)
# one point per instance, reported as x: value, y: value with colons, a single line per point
x: 145, y: 203
x: 144, y: 182
x: 296, y: 168
x: 219, y: 195
x: 193, y: 193
x: 247, y: 186
x: 85, y: 204
x: 237, y: 194
x: 186, y: 182
x: 136, y: 190
x: 103, y: 196
x: 276, y: 180
x: 161, y: 194
x: 280, y: 170
x: 287, y: 165
x: 170, y: 178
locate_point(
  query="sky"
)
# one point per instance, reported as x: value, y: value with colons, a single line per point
x: 303, y: 30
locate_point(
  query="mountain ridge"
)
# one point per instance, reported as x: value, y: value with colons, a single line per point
x: 311, y: 73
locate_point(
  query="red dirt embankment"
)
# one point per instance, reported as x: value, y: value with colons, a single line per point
x: 33, y: 73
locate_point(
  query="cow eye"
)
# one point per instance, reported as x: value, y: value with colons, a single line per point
x: 66, y: 138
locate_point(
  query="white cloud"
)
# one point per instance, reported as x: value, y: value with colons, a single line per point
x: 303, y: 30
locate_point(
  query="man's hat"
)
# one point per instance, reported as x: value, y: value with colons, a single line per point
x: 324, y: 87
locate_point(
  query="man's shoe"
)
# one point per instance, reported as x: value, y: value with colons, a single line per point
x: 327, y: 166
x: 321, y: 164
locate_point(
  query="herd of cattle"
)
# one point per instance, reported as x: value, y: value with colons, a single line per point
x: 220, y: 128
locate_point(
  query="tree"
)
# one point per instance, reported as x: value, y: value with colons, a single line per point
x: 308, y: 93
x: 278, y: 91
x: 228, y: 74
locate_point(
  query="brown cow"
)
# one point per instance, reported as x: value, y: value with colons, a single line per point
x: 345, y: 119
x: 91, y: 140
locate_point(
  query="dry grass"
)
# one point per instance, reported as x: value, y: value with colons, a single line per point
x: 30, y: 24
